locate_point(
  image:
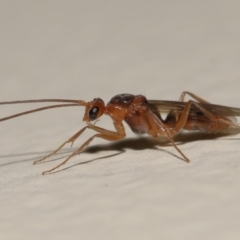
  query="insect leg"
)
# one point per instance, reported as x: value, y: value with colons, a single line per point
x: 181, y: 122
x: 170, y: 131
x: 181, y: 99
x: 158, y: 127
x: 209, y: 114
x: 102, y: 133
x: 195, y: 97
x: 70, y: 140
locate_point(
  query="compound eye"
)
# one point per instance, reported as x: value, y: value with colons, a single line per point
x: 93, y: 113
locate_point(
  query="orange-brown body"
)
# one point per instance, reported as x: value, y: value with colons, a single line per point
x: 143, y: 116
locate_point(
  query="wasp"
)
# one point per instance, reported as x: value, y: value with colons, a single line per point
x: 142, y: 116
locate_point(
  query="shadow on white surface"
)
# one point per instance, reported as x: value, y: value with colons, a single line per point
x: 137, y: 144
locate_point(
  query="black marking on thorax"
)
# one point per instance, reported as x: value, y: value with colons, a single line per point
x: 122, y: 99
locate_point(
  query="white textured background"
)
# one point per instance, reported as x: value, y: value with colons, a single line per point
x: 134, y: 189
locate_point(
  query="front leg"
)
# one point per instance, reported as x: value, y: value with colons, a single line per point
x: 70, y: 140
x: 102, y: 133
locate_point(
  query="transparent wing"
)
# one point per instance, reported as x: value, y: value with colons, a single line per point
x: 161, y: 106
